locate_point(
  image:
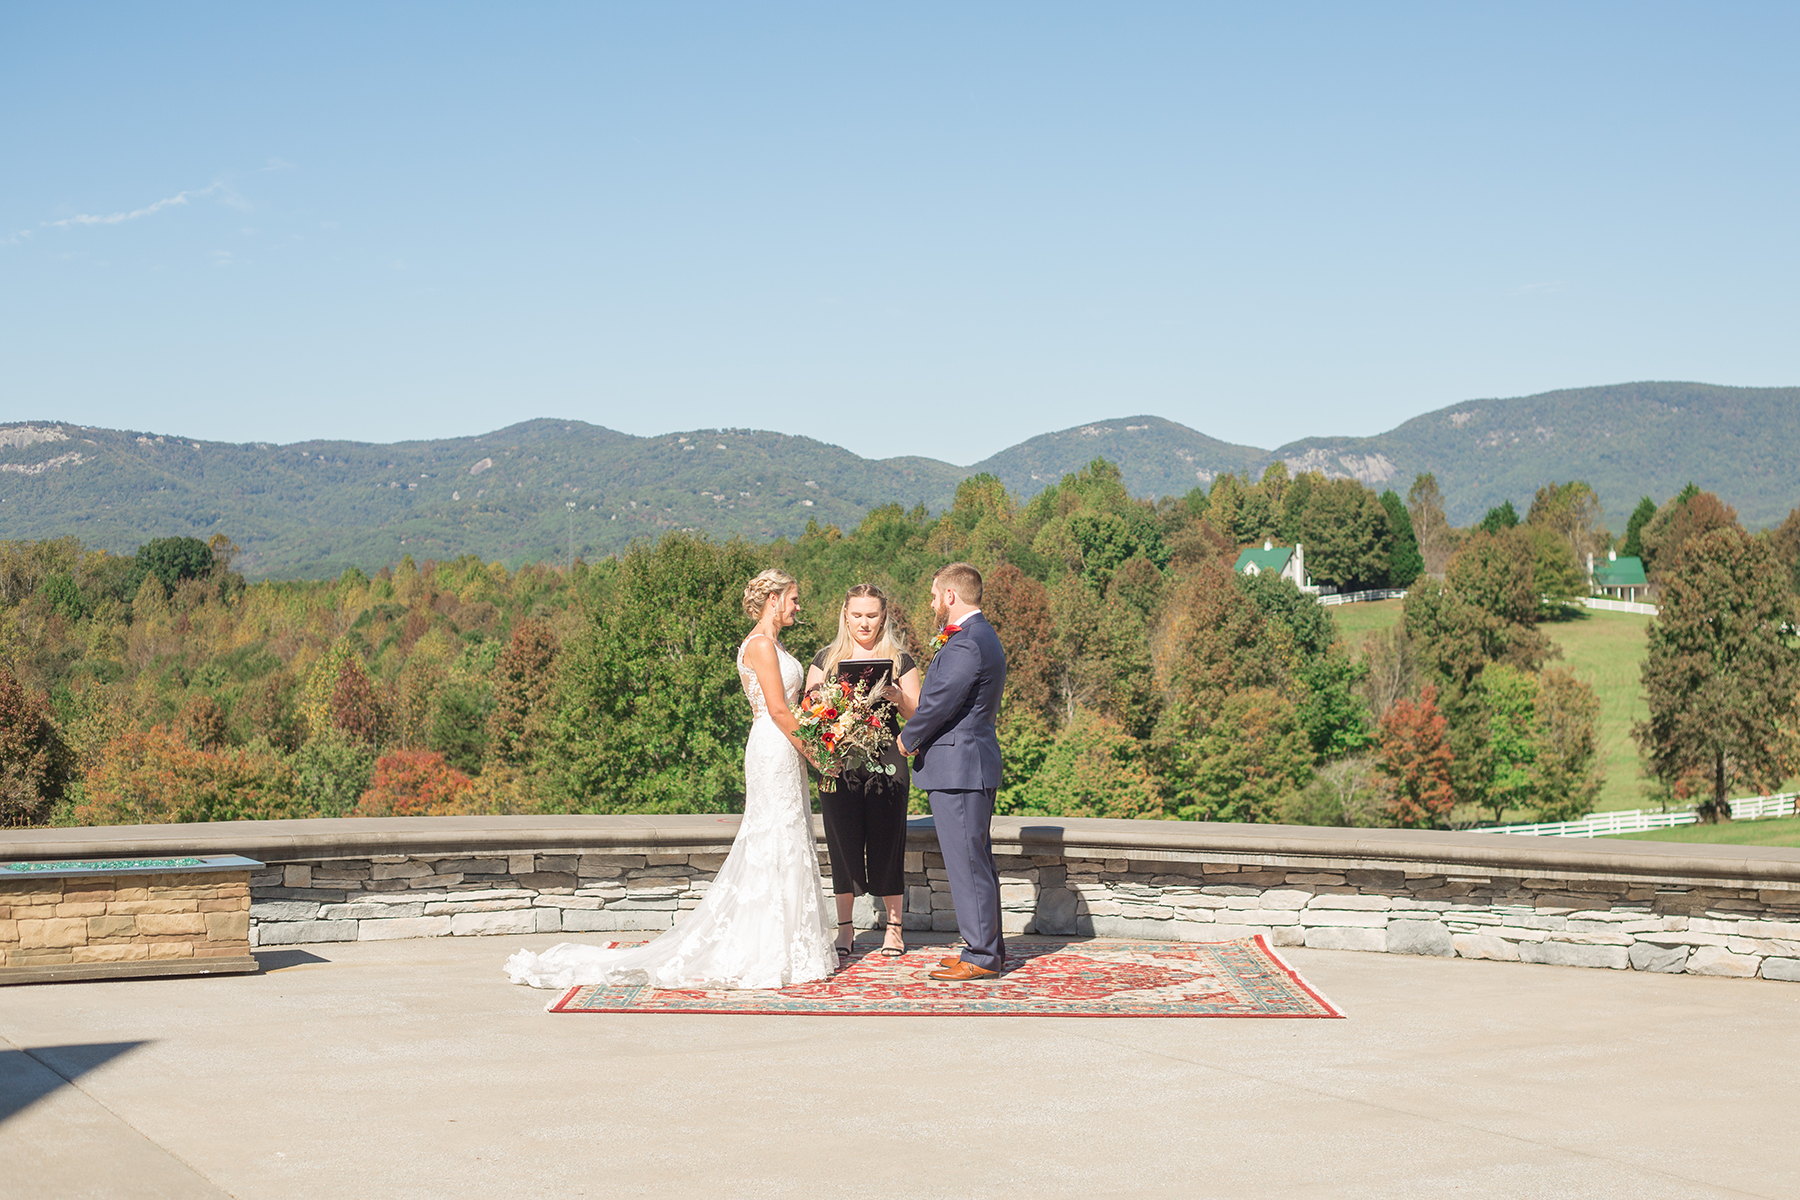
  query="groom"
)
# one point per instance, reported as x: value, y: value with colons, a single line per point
x: 958, y: 765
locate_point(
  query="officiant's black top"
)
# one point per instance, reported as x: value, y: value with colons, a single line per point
x: 865, y: 816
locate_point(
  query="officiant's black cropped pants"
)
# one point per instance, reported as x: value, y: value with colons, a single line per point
x: 865, y: 831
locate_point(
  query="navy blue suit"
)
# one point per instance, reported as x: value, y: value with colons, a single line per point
x: 958, y: 766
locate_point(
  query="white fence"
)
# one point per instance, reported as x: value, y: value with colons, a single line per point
x: 1641, y: 820
x: 1605, y: 605
x: 1599, y: 602
x: 1357, y: 597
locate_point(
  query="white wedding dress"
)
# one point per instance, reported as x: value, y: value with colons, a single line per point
x: 764, y: 922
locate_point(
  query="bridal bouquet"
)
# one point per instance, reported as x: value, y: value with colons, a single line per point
x: 843, y: 726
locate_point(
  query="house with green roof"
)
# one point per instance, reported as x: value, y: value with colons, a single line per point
x: 1284, y: 562
x: 1619, y: 578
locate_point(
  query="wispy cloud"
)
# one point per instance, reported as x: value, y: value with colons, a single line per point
x: 121, y: 217
x: 281, y: 164
x: 16, y: 238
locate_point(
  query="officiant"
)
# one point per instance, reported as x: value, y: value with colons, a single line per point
x: 865, y: 816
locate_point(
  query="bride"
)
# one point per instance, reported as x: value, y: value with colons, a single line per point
x: 763, y: 923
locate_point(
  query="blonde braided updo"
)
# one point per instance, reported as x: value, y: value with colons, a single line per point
x: 758, y: 591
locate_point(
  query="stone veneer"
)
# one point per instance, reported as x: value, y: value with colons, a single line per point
x: 85, y: 925
x: 1664, y: 907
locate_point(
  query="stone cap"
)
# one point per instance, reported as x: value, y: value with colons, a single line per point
x: 184, y: 864
x: 1466, y: 854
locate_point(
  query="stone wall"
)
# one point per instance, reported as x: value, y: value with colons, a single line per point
x: 89, y: 926
x: 1647, y: 906
x: 1664, y: 925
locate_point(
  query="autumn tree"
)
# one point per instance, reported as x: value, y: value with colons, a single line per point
x: 1425, y: 508
x: 1018, y: 607
x: 202, y: 722
x: 1572, y: 512
x: 34, y: 761
x: 1784, y: 541
x: 356, y: 711
x: 1251, y: 755
x: 524, y: 675
x: 1691, y: 514
x: 1413, y: 760
x: 1722, y: 674
x: 414, y: 783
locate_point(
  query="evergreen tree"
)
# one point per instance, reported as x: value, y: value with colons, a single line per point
x: 1501, y: 517
x: 1633, y: 546
x: 1405, y: 563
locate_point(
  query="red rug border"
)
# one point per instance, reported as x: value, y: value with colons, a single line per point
x: 1332, y: 1011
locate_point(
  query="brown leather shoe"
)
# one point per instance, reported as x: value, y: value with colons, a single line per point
x: 949, y: 960
x: 965, y: 972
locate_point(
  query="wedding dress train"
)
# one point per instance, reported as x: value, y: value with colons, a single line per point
x: 764, y: 922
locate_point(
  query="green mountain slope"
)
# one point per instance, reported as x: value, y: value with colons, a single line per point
x: 1628, y: 440
x: 314, y: 508
x: 1155, y: 456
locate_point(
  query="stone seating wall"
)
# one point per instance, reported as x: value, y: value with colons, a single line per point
x: 1695, y: 909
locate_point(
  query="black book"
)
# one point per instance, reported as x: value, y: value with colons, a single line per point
x: 874, y: 672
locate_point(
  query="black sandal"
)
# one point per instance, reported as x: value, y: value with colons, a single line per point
x: 843, y: 952
x: 893, y: 951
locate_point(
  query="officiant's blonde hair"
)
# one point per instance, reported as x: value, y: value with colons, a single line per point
x: 766, y: 584
x: 891, y: 643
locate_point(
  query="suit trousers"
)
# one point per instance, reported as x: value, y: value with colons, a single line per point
x: 962, y: 819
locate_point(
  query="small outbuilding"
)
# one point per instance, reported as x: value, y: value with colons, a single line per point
x: 1284, y: 562
x: 1618, y: 578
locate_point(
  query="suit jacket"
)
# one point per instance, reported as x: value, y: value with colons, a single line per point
x: 952, y: 731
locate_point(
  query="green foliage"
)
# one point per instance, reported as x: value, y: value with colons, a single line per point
x: 1348, y: 540
x: 1632, y: 544
x: 1722, y: 676
x: 1333, y: 716
x: 174, y: 560
x: 1508, y: 698
x: 331, y: 774
x: 1251, y: 756
x: 1498, y: 519
x: 648, y: 714
x: 1405, y: 563
x: 1093, y: 768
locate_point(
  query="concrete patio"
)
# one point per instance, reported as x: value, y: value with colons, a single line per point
x: 412, y: 1069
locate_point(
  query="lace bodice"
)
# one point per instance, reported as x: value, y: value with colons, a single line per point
x: 792, y: 676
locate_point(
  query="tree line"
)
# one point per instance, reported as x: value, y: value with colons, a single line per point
x: 1147, y: 678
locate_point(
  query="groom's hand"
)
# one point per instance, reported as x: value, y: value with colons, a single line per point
x: 900, y: 745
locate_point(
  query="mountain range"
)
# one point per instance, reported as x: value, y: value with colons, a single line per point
x: 535, y: 490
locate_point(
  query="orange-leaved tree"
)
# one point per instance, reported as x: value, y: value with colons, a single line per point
x: 1414, y: 761
x: 154, y: 776
x: 415, y: 783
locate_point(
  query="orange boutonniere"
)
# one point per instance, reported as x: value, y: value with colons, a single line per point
x: 937, y: 643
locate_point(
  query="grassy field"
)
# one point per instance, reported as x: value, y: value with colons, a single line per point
x: 1604, y: 650
x: 1781, y: 831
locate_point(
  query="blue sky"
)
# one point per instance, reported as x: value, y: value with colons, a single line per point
x: 904, y: 229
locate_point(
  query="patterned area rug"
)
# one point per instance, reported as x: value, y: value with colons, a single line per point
x: 1043, y: 979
